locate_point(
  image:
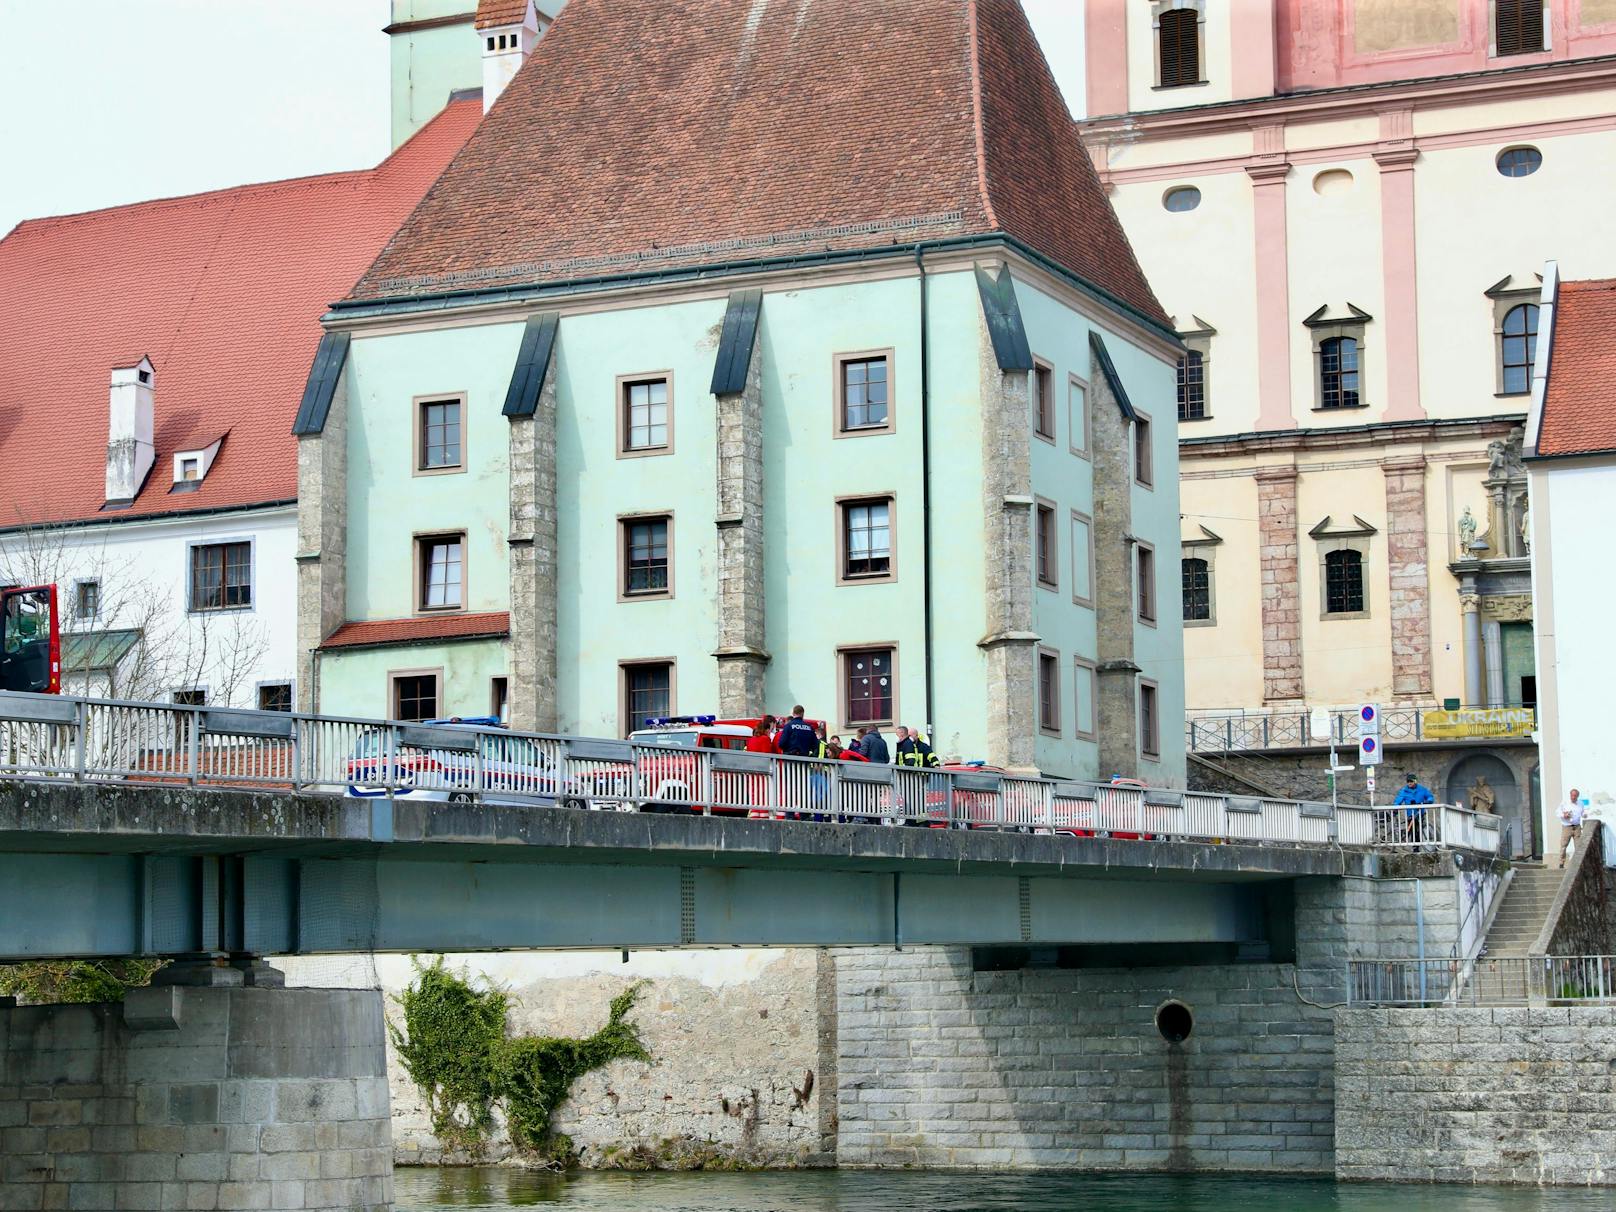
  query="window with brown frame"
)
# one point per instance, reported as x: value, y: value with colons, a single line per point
x: 866, y: 539
x: 1043, y: 378
x: 647, y: 562
x: 1518, y: 26
x: 415, y: 696
x: 1519, y: 347
x: 1149, y: 720
x: 647, y: 692
x: 1178, y: 39
x: 1049, y: 693
x: 1191, y: 387
x: 1044, y: 540
x: 1145, y: 566
x: 1197, y: 578
x: 1143, y: 463
x: 221, y: 576
x: 438, y: 441
x: 868, y: 685
x: 865, y: 389
x: 1338, y: 373
x: 441, y: 571
x: 645, y: 423
x: 274, y: 696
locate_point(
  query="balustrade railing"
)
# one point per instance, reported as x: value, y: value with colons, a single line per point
x: 1485, y: 981
x: 98, y: 740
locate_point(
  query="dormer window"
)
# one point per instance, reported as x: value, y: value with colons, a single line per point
x: 190, y: 469
x: 192, y: 466
x: 490, y: 43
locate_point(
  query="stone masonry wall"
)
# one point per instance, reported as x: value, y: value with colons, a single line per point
x: 196, y: 1098
x: 1476, y: 1095
x: 943, y: 1066
x: 1406, y: 567
x: 744, y: 1046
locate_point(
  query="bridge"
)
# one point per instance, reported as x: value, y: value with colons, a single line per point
x: 165, y: 830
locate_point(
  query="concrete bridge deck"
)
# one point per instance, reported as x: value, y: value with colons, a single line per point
x: 109, y: 869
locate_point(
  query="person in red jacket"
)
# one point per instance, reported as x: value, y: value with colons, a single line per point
x: 762, y: 738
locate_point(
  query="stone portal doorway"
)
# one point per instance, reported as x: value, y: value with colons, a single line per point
x: 1506, y: 793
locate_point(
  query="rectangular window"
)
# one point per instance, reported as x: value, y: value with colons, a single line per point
x: 1178, y: 47
x: 869, y: 686
x: 865, y: 539
x: 499, y: 699
x: 1197, y: 585
x: 1191, y: 387
x: 864, y: 393
x: 1043, y: 383
x: 190, y: 469
x: 1082, y: 559
x: 221, y: 576
x: 441, y: 563
x: 1145, y: 568
x: 1077, y: 419
x: 274, y: 696
x: 196, y: 697
x: 1049, y: 692
x: 1149, y: 720
x: 86, y: 599
x: 1143, y: 464
x: 645, y: 415
x: 1343, y: 582
x: 647, y: 556
x: 647, y: 692
x: 1084, y: 698
x: 1519, y: 26
x: 438, y: 444
x: 1044, y: 550
x: 415, y: 695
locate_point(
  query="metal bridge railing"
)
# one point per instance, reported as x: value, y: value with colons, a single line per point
x: 1485, y: 981
x: 100, y: 740
x: 1239, y: 731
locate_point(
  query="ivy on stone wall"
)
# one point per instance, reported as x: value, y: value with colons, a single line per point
x: 454, y: 1047
x: 55, y: 982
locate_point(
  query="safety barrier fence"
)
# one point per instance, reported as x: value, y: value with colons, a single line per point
x: 85, y: 739
x: 1503, y: 981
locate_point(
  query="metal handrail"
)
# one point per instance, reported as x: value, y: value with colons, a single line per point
x: 1238, y: 731
x: 1483, y: 981
x: 85, y: 739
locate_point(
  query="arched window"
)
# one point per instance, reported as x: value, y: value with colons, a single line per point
x: 1197, y: 590
x: 1191, y: 387
x: 1343, y: 582
x: 1178, y: 42
x: 1338, y: 373
x: 1519, y: 346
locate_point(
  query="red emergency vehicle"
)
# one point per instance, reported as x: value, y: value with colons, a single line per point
x: 30, y: 640
x: 669, y: 780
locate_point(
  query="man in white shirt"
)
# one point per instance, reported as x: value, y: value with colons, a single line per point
x: 1570, y: 822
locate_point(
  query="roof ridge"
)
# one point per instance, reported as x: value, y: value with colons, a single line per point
x: 974, y: 55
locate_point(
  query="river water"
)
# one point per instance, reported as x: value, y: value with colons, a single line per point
x: 426, y: 1190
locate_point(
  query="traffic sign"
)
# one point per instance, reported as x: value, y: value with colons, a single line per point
x: 1369, y: 751
x: 1369, y: 779
x: 1369, y: 720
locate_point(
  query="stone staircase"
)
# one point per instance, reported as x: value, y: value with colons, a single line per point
x: 1524, y: 909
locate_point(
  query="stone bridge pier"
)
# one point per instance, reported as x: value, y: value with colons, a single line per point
x: 197, y: 1097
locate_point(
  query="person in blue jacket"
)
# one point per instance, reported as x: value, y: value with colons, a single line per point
x: 1412, y: 799
x: 797, y: 737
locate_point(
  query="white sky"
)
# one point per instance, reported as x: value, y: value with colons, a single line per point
x: 104, y: 102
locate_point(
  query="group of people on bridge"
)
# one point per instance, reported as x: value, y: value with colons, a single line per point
x: 796, y: 736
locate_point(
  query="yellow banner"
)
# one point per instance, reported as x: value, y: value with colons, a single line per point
x: 1479, y: 722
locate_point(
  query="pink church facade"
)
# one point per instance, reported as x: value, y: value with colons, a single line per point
x: 1346, y: 205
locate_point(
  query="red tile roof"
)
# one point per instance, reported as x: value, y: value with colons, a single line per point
x: 640, y: 128
x: 225, y: 290
x: 422, y: 630
x: 500, y: 12
x: 1579, y: 405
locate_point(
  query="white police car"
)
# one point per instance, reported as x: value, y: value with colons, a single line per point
x: 496, y: 768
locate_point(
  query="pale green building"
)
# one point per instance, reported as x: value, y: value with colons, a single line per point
x: 843, y: 390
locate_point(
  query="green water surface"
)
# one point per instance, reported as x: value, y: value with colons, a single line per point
x: 425, y: 1190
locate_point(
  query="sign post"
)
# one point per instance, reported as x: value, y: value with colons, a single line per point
x: 1369, y: 745
x: 1319, y: 727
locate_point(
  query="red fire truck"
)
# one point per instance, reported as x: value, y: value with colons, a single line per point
x: 30, y: 640
x: 669, y: 780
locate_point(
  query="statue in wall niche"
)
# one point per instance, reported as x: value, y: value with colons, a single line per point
x: 1497, y: 460
x: 1467, y: 532
x: 1482, y: 797
x: 1526, y: 529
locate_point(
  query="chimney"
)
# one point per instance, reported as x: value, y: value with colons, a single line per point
x: 129, y: 431
x: 506, y: 46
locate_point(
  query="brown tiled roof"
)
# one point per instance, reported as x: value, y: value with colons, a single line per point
x: 1579, y: 405
x: 645, y: 135
x: 379, y: 632
x: 500, y: 12
x: 224, y: 290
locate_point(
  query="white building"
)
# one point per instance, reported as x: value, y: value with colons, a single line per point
x: 1571, y: 462
x: 154, y: 358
